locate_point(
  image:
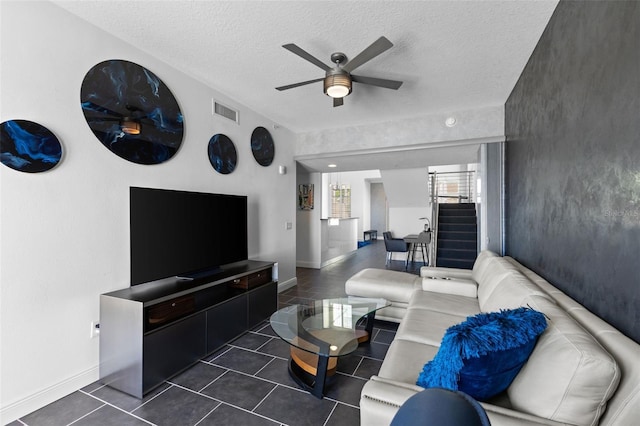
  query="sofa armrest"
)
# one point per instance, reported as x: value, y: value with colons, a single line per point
x: 443, y: 272
x: 500, y: 416
x: 455, y: 286
x: 391, y: 394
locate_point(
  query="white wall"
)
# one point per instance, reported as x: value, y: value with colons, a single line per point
x: 482, y: 125
x: 406, y: 220
x: 308, y: 232
x: 64, y: 233
x: 406, y: 187
x: 360, y: 194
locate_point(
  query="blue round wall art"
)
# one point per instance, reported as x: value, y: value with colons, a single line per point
x: 222, y: 154
x: 132, y: 112
x: 262, y: 146
x: 28, y: 147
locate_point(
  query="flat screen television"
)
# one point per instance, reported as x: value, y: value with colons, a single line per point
x: 184, y: 234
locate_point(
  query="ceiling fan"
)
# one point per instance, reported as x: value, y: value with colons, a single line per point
x: 338, y: 79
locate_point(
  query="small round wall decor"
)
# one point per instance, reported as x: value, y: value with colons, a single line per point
x: 262, y: 146
x: 222, y: 154
x: 132, y: 112
x: 28, y: 147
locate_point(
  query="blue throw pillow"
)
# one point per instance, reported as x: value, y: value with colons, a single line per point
x: 482, y: 355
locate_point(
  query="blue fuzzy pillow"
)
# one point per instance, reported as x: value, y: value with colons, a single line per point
x: 482, y: 355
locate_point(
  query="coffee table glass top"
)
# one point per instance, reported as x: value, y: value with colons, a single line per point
x: 325, y: 327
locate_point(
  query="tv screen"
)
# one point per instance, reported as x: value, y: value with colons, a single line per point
x: 184, y: 234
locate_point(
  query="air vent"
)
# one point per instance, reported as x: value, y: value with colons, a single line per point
x: 225, y: 111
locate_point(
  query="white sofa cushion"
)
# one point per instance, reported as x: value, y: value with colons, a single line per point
x: 510, y: 292
x: 569, y: 377
x: 446, y: 303
x: 405, y: 359
x: 390, y: 285
x: 457, y: 286
x: 444, y: 272
x: 425, y: 326
x: 492, y: 277
x: 480, y: 266
x: 483, y: 265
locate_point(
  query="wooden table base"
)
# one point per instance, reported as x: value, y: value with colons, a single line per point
x: 309, y: 362
x: 312, y: 371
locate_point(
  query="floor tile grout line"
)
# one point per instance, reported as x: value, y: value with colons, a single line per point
x: 207, y: 415
x: 199, y: 393
x: 295, y: 388
x: 221, y: 402
x: 257, y: 352
x: 152, y: 398
x: 263, y: 367
x: 330, y: 414
x: 89, y: 413
x: 264, y: 379
x: 262, y: 400
x: 130, y: 413
x: 219, y: 355
x: 262, y: 345
x: 358, y: 366
x: 214, y: 380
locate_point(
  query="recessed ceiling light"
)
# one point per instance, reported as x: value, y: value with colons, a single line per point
x: 332, y: 165
x: 450, y: 122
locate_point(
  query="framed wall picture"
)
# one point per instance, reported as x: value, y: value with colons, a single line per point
x: 132, y: 112
x: 222, y: 154
x: 262, y: 146
x: 305, y: 196
x: 29, y: 147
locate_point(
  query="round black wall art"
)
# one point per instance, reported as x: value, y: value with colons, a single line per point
x: 132, y: 112
x: 222, y: 154
x: 28, y: 147
x: 262, y: 146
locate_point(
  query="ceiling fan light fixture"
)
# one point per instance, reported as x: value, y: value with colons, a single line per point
x: 337, y: 85
x: 130, y: 126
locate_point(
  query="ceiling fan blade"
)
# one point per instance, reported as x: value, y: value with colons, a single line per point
x: 377, y: 47
x: 302, y: 83
x: 380, y: 82
x: 307, y: 56
x: 338, y: 102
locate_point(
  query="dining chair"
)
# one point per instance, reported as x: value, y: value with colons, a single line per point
x: 395, y: 245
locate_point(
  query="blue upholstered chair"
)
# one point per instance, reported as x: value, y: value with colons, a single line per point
x: 395, y: 245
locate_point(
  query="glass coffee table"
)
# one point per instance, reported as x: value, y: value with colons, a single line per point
x: 321, y: 331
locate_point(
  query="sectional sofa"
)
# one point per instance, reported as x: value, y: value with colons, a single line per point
x: 582, y: 371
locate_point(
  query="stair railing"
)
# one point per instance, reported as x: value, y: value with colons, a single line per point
x: 433, y: 198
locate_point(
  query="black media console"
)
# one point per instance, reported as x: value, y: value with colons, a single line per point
x: 151, y: 332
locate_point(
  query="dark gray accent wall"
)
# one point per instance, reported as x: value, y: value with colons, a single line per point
x: 573, y: 159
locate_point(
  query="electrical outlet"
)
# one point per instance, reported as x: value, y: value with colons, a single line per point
x: 288, y: 225
x: 95, y: 329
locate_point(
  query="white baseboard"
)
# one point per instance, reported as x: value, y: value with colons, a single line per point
x: 337, y: 258
x: 292, y: 282
x: 31, y: 403
x: 303, y: 264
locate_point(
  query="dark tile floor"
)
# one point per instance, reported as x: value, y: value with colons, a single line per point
x: 246, y: 382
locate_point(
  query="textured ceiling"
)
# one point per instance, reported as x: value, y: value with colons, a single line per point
x: 451, y: 55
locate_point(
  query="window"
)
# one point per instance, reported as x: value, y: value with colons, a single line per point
x: 340, y: 200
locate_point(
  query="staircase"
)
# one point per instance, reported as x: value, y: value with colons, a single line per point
x: 457, y: 235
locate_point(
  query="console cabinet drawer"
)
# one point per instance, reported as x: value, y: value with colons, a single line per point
x: 253, y: 280
x: 165, y: 312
